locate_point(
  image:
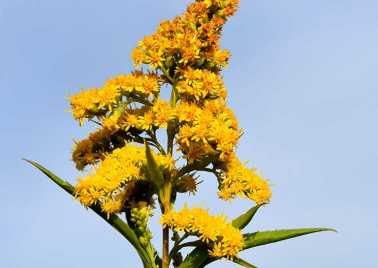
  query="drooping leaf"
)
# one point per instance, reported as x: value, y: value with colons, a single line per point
x: 112, y: 219
x: 268, y: 237
x: 243, y: 263
x: 243, y: 220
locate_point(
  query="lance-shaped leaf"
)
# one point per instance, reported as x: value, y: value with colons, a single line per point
x: 243, y: 263
x: 113, y: 219
x: 244, y: 219
x: 60, y: 182
x: 268, y: 237
x: 199, y: 256
x: 155, y: 173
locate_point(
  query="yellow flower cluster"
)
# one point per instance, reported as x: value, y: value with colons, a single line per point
x: 186, y: 56
x: 106, y: 184
x: 136, y: 82
x: 238, y: 180
x: 186, y: 48
x: 207, y: 130
x: 93, y: 102
x: 93, y: 149
x: 201, y: 84
x: 145, y: 118
x: 162, y: 113
x: 222, y: 238
x: 100, y: 101
x: 187, y: 183
x: 189, y: 40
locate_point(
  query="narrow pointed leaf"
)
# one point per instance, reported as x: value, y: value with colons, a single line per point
x: 153, y: 168
x: 62, y: 183
x: 268, y: 237
x: 243, y: 220
x: 243, y: 263
x: 113, y: 219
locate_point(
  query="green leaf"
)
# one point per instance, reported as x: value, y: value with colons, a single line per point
x: 268, y: 237
x: 156, y: 175
x: 174, y: 97
x: 244, y: 219
x: 113, y: 219
x: 243, y: 263
x: 197, y: 258
x: 62, y: 183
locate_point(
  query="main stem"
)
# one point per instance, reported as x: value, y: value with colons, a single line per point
x: 168, y: 186
x: 166, y: 247
x: 166, y: 205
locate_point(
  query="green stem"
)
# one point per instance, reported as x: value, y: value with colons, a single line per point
x: 167, y: 75
x: 194, y: 166
x: 166, y: 206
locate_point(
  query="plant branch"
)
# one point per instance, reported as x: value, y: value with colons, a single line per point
x: 156, y: 142
x: 194, y: 166
x: 177, y: 248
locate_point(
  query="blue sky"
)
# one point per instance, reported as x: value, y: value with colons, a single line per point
x: 302, y: 80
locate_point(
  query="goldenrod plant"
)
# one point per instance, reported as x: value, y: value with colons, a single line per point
x: 146, y: 151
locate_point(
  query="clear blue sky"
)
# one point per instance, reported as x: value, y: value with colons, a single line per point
x: 302, y: 80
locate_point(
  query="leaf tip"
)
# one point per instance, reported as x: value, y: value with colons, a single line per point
x: 331, y: 230
x: 31, y: 162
